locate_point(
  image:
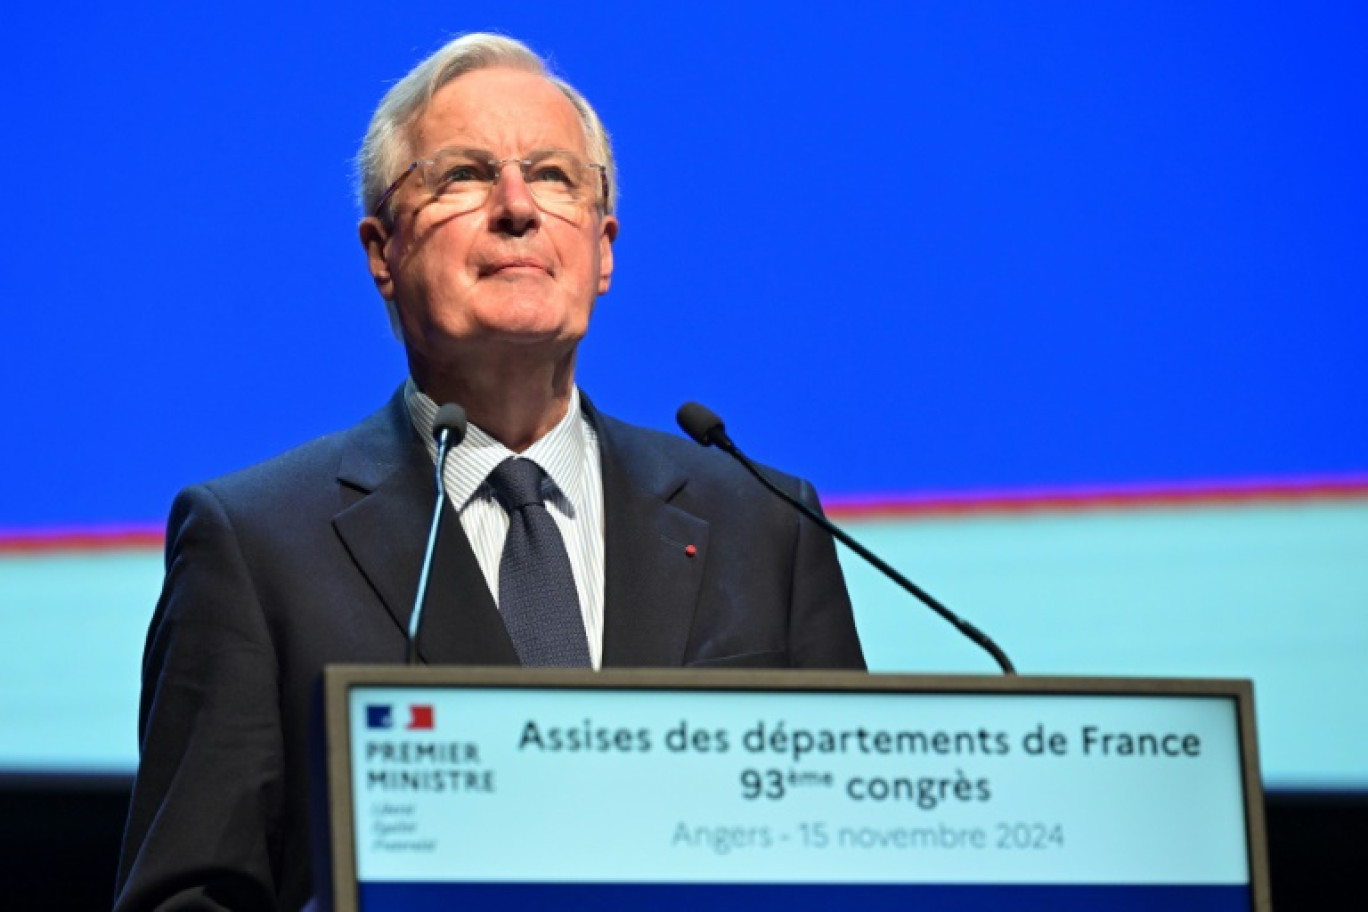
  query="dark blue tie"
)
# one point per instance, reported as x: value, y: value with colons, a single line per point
x: 536, y: 586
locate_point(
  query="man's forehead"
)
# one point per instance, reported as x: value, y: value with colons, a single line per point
x: 503, y: 110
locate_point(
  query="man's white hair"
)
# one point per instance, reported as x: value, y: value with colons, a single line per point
x: 386, y: 151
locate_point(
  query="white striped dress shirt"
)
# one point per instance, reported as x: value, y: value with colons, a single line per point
x: 569, y: 455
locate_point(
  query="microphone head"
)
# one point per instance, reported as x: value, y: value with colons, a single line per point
x: 700, y: 423
x: 451, y: 418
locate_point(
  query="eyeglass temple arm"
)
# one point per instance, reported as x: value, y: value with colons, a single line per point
x: 385, y: 197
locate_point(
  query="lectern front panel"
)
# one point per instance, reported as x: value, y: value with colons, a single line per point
x: 669, y: 790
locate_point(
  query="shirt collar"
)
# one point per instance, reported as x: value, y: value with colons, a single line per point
x: 560, y: 453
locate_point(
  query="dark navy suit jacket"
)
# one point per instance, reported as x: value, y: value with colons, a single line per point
x: 312, y: 558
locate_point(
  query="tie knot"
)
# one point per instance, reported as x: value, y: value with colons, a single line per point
x: 517, y: 483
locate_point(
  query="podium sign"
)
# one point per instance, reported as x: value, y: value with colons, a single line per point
x: 736, y: 790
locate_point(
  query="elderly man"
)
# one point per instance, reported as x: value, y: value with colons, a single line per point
x: 489, y: 227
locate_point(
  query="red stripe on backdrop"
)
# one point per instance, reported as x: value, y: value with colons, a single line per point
x: 92, y: 538
x: 1197, y: 494
x: 889, y: 506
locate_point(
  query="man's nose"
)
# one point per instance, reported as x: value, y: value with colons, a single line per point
x: 515, y: 209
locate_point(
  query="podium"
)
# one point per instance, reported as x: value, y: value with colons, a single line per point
x: 443, y: 788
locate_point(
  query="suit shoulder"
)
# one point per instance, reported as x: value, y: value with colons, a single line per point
x: 311, y: 470
x: 285, y: 476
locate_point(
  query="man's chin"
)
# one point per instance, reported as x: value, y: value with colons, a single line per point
x: 530, y: 323
x: 553, y: 341
x: 523, y: 338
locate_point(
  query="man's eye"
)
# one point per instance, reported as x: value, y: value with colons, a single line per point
x: 552, y: 174
x: 461, y: 174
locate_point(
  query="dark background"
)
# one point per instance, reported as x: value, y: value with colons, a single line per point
x: 59, y: 846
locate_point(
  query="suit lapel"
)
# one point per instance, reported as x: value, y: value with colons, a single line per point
x: 651, y: 583
x: 389, y: 474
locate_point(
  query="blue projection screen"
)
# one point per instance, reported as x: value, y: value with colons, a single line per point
x: 1062, y: 308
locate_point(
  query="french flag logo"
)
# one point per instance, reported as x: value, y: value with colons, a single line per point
x: 421, y: 717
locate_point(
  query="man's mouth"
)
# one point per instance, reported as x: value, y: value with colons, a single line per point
x: 514, y: 265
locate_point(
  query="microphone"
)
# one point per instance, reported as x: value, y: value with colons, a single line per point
x: 449, y: 427
x: 703, y: 425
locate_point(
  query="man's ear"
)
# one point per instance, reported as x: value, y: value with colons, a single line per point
x: 608, y: 233
x: 375, y: 240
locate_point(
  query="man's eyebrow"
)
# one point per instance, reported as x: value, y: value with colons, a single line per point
x: 487, y: 155
x: 484, y: 154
